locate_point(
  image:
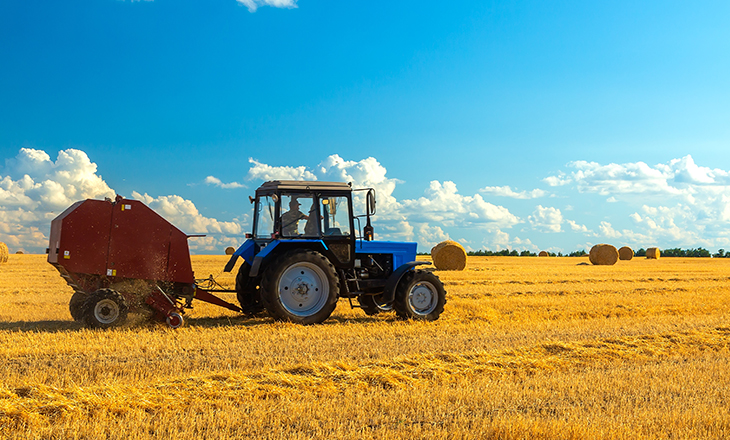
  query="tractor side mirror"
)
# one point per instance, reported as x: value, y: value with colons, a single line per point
x: 251, y: 199
x: 370, y: 201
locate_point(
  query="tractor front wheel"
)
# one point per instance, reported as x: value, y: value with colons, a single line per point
x: 301, y: 286
x: 420, y: 295
x: 105, y: 308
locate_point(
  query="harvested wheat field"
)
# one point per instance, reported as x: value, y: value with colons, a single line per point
x: 527, y: 348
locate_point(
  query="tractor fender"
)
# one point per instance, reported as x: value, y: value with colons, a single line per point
x: 246, y: 250
x: 395, y: 277
x: 268, y: 250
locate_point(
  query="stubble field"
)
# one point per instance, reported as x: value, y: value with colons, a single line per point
x: 527, y: 348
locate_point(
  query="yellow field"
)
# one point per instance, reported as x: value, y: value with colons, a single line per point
x: 527, y: 348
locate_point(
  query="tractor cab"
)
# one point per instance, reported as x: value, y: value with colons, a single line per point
x: 296, y: 213
x: 308, y: 248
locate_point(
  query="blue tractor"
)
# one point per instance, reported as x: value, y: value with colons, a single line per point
x: 308, y: 249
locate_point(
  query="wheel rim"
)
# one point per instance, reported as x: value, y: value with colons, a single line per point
x: 381, y: 304
x: 303, y: 289
x: 423, y: 298
x: 106, y: 311
x: 174, y: 320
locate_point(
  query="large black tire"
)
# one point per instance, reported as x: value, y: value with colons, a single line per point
x: 420, y: 295
x: 249, y: 296
x: 300, y: 286
x: 372, y: 304
x: 105, y: 308
x: 76, y: 305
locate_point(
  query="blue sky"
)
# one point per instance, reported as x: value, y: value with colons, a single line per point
x: 525, y: 125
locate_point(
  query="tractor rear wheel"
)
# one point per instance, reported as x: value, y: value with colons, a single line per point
x: 249, y: 296
x: 105, y: 308
x: 301, y: 286
x: 420, y: 295
x: 373, y: 304
x: 76, y: 305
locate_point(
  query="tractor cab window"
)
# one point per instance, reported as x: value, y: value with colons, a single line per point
x: 335, y: 216
x: 265, y: 217
x: 298, y: 216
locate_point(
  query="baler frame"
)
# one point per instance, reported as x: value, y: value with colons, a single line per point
x: 121, y: 256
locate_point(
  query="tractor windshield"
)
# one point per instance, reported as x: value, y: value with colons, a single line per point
x: 336, y: 216
x: 264, y: 217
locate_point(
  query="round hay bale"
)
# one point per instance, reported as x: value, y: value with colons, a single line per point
x: 20, y: 252
x: 653, y: 253
x: 449, y: 255
x: 3, y: 252
x: 603, y: 255
x: 625, y: 253
x: 230, y: 250
x: 543, y: 254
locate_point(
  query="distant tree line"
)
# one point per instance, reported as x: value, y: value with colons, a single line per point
x: 674, y: 252
x: 677, y: 252
x: 525, y: 253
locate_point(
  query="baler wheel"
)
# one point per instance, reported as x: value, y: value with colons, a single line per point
x: 248, y: 295
x: 175, y: 320
x: 301, y: 286
x: 76, y: 305
x: 420, y: 295
x: 105, y: 308
x: 373, y: 304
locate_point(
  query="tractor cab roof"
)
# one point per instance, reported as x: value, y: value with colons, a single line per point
x: 303, y: 186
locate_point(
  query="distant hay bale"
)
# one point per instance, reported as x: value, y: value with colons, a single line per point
x: 603, y: 255
x: 625, y: 253
x: 653, y: 253
x: 230, y: 250
x: 543, y: 254
x: 3, y: 252
x: 449, y: 255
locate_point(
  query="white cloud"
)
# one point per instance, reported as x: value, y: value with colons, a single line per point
x: 443, y: 204
x: 681, y: 203
x: 183, y: 214
x: 559, y: 180
x: 576, y: 227
x: 506, y: 191
x: 252, y: 5
x: 263, y: 172
x: 679, y: 177
x: 211, y: 180
x: 34, y: 189
x: 546, y: 219
x: 423, y: 220
x: 607, y: 230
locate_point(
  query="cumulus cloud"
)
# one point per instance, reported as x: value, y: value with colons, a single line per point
x: 678, y: 177
x: 183, y: 214
x: 423, y: 219
x: 577, y: 227
x: 546, y: 219
x: 263, y: 172
x: 680, y: 203
x: 607, y: 230
x: 252, y: 5
x: 34, y: 189
x: 211, y: 180
x: 506, y: 191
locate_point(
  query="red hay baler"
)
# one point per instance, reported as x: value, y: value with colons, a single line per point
x: 120, y: 256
